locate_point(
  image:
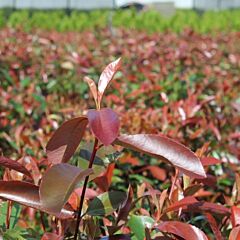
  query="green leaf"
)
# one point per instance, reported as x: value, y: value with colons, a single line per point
x: 106, y: 203
x: 13, y: 234
x: 98, y: 164
x: 138, y: 225
x: 16, y: 210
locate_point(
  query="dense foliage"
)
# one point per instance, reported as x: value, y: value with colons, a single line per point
x: 150, y: 21
x: 185, y: 86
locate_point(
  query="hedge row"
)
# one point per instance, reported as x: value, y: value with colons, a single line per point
x: 151, y: 21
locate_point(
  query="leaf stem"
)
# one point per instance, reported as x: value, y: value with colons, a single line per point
x: 79, y: 217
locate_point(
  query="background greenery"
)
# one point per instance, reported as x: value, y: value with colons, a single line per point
x: 151, y: 21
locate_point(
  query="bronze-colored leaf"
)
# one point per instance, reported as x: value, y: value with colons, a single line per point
x: 166, y: 149
x: 27, y: 194
x: 106, y: 76
x: 14, y: 165
x: 58, y: 183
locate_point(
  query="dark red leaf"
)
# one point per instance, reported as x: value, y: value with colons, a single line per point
x: 58, y: 184
x: 209, y: 207
x: 27, y: 194
x: 14, y: 165
x: 165, y: 149
x: 65, y: 140
x: 104, y: 124
x: 106, y: 76
x: 183, y: 230
x: 210, y: 180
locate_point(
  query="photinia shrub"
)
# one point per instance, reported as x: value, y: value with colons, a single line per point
x: 64, y: 189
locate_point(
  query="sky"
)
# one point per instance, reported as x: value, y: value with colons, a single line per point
x: 178, y: 3
x: 62, y: 3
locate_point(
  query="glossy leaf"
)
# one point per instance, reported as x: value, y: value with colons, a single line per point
x: 167, y: 149
x: 106, y: 203
x: 14, y: 165
x: 138, y: 225
x: 106, y: 76
x: 104, y: 124
x: 27, y: 194
x: 65, y: 140
x: 93, y: 88
x: 183, y: 230
x: 58, y: 183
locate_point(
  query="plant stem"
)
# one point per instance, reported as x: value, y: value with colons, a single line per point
x: 42, y: 221
x: 9, y: 210
x: 79, y: 217
x: 173, y: 183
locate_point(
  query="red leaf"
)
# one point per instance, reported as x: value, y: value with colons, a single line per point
x: 104, y: 124
x: 192, y: 189
x: 51, y: 236
x: 106, y: 76
x: 235, y: 233
x: 235, y: 216
x: 27, y: 194
x: 66, y: 139
x: 14, y: 165
x: 209, y: 207
x: 182, y: 203
x: 116, y: 237
x: 156, y: 172
x: 93, y: 88
x: 214, y: 226
x: 125, y: 209
x: 165, y: 149
x: 183, y: 230
x: 104, y: 181
x: 206, y: 161
x: 75, y: 196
